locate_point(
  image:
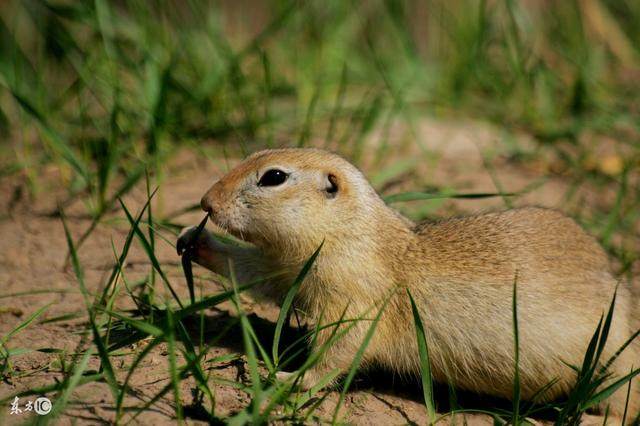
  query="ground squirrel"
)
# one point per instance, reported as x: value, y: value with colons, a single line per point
x: 460, y: 271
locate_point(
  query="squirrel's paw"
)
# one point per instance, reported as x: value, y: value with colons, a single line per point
x: 306, y: 383
x: 283, y: 376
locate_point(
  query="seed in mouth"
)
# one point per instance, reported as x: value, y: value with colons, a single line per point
x: 187, y: 247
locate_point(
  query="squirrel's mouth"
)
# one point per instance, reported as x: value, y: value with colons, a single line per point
x: 231, y: 229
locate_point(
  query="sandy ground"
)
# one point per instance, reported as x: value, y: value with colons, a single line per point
x: 33, y: 250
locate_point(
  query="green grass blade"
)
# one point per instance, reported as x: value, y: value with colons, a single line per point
x: 425, y: 364
x: 102, y: 351
x: 250, y: 349
x: 288, y: 301
x: 132, y: 368
x: 357, y: 359
x: 193, y: 364
x: 263, y: 353
x: 214, y: 300
x: 173, y: 367
x: 615, y: 356
x: 516, y: 345
x: 416, y: 196
x: 609, y: 390
x: 105, y: 362
x: 589, y: 355
x: 152, y: 256
x: 604, y: 334
x: 626, y: 403
x: 142, y: 326
x: 68, y: 387
x: 128, y: 240
x: 24, y: 324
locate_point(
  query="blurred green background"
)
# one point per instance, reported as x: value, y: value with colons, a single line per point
x: 108, y: 90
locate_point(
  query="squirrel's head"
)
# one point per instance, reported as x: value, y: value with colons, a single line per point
x: 292, y: 199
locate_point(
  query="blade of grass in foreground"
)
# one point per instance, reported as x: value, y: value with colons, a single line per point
x: 278, y: 393
x: 76, y: 263
x: 605, y: 332
x: 134, y: 365
x: 173, y: 365
x: 416, y: 196
x: 67, y: 388
x: 7, y: 353
x: 252, y: 358
x: 288, y: 300
x: 105, y: 362
x: 216, y: 299
x: 609, y: 390
x: 615, y: 356
x: 195, y: 367
x: 590, y: 388
x: 516, y: 342
x: 152, y: 256
x: 183, y: 374
x: 152, y: 239
x: 23, y: 325
x: 425, y: 364
x: 145, y: 327
x: 357, y: 359
x: 117, y: 268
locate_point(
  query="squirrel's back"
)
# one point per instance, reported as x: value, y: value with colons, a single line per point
x: 528, y: 241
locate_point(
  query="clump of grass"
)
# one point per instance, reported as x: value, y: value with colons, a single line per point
x: 594, y: 382
x: 6, y: 369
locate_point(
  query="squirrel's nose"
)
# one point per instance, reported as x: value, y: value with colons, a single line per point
x: 206, y: 204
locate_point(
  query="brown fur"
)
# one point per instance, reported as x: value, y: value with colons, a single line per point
x: 460, y: 271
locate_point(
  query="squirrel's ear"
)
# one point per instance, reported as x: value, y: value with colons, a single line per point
x: 330, y: 185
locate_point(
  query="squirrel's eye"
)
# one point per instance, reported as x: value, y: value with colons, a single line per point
x: 273, y: 177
